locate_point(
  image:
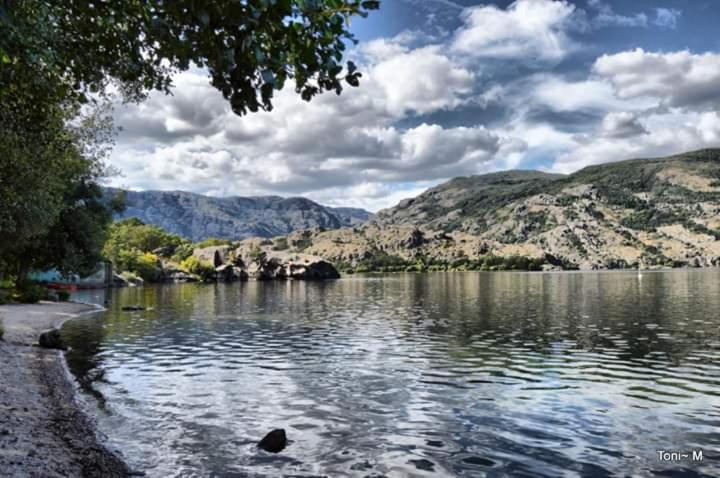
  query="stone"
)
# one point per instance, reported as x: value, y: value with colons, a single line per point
x: 51, y: 340
x: 215, y: 255
x: 119, y: 281
x: 132, y: 308
x: 275, y: 441
x: 281, y: 265
x: 181, y: 276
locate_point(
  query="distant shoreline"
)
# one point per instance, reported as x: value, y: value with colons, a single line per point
x: 44, y: 430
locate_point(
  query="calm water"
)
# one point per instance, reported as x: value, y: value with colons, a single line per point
x: 444, y: 374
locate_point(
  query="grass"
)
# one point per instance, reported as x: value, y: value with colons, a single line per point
x: 383, y: 262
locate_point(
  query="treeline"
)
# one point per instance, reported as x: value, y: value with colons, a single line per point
x: 137, y: 249
x: 383, y: 262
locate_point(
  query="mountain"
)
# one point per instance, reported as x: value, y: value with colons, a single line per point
x: 635, y: 213
x: 199, y: 217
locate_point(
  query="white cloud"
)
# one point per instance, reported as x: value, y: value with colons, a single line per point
x: 527, y: 29
x: 667, y: 17
x: 559, y: 94
x: 332, y: 143
x: 622, y: 124
x: 680, y: 79
x: 422, y: 80
x: 664, y: 134
x: 606, y: 16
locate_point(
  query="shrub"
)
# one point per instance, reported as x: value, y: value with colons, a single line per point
x: 257, y: 254
x: 63, y: 295
x: 29, y: 293
x: 182, y: 252
x: 204, y: 269
x: 213, y: 241
x: 146, y: 266
x: 650, y: 219
x: 280, y: 244
x: 302, y: 244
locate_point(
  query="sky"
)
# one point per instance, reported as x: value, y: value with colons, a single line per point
x: 450, y: 88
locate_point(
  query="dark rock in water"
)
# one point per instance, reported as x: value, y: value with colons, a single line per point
x: 275, y: 441
x: 51, y: 340
x: 423, y: 464
x: 178, y: 276
x: 132, y: 308
x: 230, y: 273
x: 118, y: 281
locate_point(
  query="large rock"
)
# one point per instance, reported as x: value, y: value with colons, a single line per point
x: 275, y: 441
x: 267, y: 269
x: 180, y: 277
x: 230, y: 273
x: 51, y: 339
x: 215, y: 255
x: 283, y: 265
x: 316, y: 270
x: 119, y: 281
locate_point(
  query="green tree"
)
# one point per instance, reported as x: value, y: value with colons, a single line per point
x: 131, y: 237
x: 52, y: 213
x: 249, y: 48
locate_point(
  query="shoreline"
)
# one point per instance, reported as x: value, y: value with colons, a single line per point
x: 44, y: 429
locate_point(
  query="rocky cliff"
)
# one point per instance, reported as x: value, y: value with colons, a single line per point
x: 198, y: 217
x: 637, y: 213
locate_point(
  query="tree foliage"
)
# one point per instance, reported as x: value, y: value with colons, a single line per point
x: 130, y: 242
x: 51, y: 150
x: 250, y: 48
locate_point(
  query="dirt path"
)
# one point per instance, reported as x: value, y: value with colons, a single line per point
x: 43, y: 430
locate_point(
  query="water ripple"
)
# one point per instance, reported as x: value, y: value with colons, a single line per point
x: 464, y: 374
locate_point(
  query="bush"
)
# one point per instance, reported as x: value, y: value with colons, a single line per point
x: 29, y: 293
x: 182, y: 252
x: 257, y: 255
x: 204, y: 269
x: 63, y: 295
x: 302, y: 244
x: 211, y: 242
x: 280, y: 244
x: 147, y: 266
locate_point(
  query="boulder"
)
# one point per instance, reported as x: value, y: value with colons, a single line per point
x: 215, y: 255
x: 316, y: 270
x: 275, y: 441
x: 267, y: 269
x: 230, y: 273
x: 132, y: 308
x: 282, y: 265
x: 416, y: 238
x: 164, y: 251
x: 51, y: 340
x: 119, y: 281
x: 181, y: 277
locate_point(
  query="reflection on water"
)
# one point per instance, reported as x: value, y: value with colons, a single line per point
x: 444, y: 374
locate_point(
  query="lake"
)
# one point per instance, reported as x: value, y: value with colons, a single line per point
x: 439, y: 374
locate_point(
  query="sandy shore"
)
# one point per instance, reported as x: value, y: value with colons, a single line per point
x: 43, y: 430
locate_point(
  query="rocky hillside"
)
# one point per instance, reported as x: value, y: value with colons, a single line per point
x: 638, y: 213
x: 198, y: 217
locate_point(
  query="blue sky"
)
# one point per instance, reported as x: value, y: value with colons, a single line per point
x: 450, y: 88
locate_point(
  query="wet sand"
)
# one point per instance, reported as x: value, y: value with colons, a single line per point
x: 44, y: 431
